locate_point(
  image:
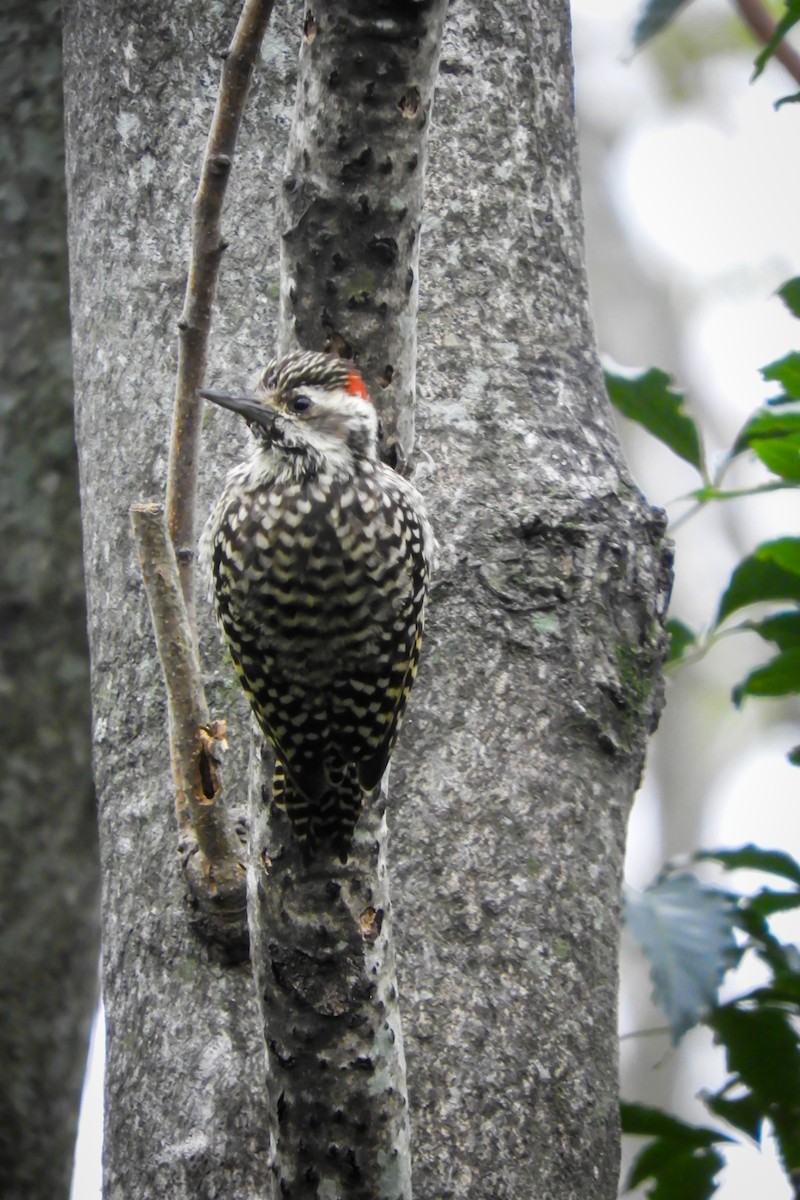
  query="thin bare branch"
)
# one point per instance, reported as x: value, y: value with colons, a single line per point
x: 756, y: 16
x: 213, y: 856
x: 206, y: 252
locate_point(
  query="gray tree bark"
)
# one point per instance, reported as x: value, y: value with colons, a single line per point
x: 540, y: 679
x: 48, y: 834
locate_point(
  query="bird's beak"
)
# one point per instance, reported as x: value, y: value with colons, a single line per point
x: 249, y: 407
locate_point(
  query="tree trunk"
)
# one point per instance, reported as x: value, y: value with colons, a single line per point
x: 540, y: 678
x: 48, y: 839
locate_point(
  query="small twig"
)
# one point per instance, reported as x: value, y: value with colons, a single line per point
x: 206, y: 252
x: 755, y: 15
x: 216, y: 872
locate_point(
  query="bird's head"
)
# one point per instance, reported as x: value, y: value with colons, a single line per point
x: 309, y: 403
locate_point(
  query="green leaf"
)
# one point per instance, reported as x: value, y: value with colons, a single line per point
x: 650, y: 400
x: 785, y: 371
x: 781, y: 456
x: 779, y: 677
x: 753, y: 858
x: 783, y: 629
x: 772, y: 572
x: 794, y: 756
x: 677, y: 1173
x: 655, y: 16
x: 762, y: 1051
x: 643, y: 1120
x: 792, y: 98
x: 743, y: 1112
x: 767, y: 903
x: 686, y: 933
x: 790, y: 294
x: 786, y: 22
x: 766, y: 423
x: 680, y: 639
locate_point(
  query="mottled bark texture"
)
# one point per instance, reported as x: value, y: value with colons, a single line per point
x: 49, y: 926
x: 540, y: 678
x: 353, y: 191
x: 185, y: 1108
x: 322, y: 937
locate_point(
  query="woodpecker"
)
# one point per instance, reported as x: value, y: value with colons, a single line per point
x: 320, y: 557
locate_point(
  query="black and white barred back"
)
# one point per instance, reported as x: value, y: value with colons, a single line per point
x: 321, y: 557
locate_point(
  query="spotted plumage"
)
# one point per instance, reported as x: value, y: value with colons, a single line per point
x: 320, y: 557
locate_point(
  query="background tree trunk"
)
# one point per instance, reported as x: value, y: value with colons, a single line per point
x: 539, y: 683
x: 48, y: 830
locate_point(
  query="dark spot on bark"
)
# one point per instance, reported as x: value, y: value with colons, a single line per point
x: 387, y: 376
x: 390, y: 456
x: 384, y: 249
x: 364, y: 206
x: 383, y: 310
x: 336, y: 343
x: 286, y: 1061
x: 350, y: 1158
x: 334, y: 79
x: 357, y: 166
x: 331, y: 287
x: 309, y: 26
x: 332, y: 1151
x: 339, y: 262
x: 342, y: 142
x: 356, y: 885
x: 332, y: 889
x: 385, y: 167
x: 293, y: 294
x: 282, y: 1108
x: 409, y: 102
x: 369, y: 92
x: 409, y: 279
x: 411, y: 164
x: 289, y: 183
x: 310, y: 1175
x: 307, y: 160
x: 359, y: 299
x: 322, y: 1064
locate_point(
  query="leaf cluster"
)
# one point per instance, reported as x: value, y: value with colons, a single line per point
x: 692, y: 936
x: 655, y: 15
x: 771, y: 573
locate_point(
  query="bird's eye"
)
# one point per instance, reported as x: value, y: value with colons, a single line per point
x: 299, y: 404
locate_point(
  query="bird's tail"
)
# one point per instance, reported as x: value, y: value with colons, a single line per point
x: 328, y: 820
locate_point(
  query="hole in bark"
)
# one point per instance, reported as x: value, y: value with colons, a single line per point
x: 384, y: 249
x: 385, y: 167
x: 289, y: 183
x: 411, y: 165
x: 309, y: 27
x: 357, y: 166
x: 282, y: 1107
x: 391, y: 457
x: 387, y: 376
x: 332, y: 889
x: 409, y: 102
x: 338, y: 345
x: 409, y: 279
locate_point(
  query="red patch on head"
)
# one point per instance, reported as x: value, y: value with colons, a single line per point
x: 357, y: 387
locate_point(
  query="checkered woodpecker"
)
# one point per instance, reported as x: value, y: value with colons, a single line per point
x: 320, y: 558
